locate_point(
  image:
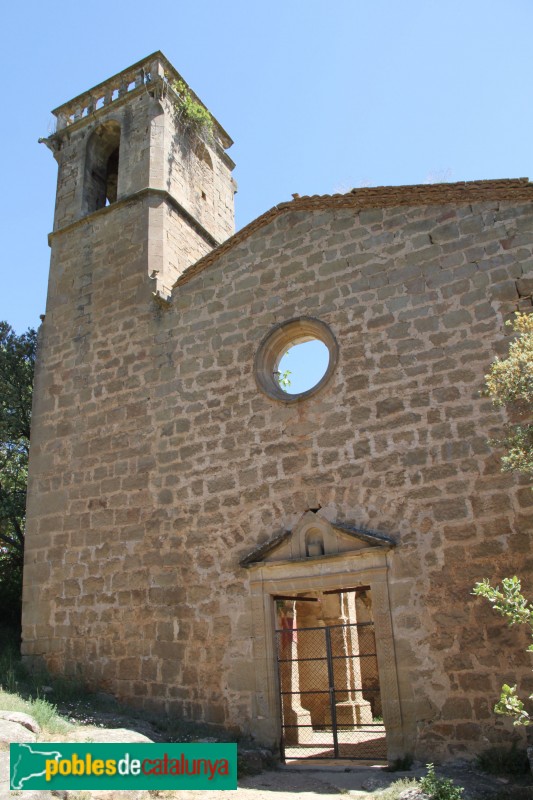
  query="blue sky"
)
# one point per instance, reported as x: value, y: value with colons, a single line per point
x: 303, y: 365
x: 319, y: 97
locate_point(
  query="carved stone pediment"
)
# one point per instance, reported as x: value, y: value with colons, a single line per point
x: 315, y: 537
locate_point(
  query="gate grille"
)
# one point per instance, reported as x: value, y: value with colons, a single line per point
x: 330, y: 696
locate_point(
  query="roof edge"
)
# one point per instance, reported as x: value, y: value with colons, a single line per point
x: 262, y: 550
x: 518, y: 189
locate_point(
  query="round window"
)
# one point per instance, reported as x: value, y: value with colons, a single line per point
x: 296, y: 359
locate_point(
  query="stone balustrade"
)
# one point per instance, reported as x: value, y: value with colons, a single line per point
x: 154, y: 68
x: 155, y: 71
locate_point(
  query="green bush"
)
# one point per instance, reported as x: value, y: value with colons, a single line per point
x: 10, y: 588
x: 17, y: 360
x: 510, y: 384
x: 192, y: 112
x: 439, y: 788
x: 511, y: 604
x: 44, y: 712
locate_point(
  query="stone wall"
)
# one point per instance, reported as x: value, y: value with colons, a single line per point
x: 397, y: 442
x: 161, y: 464
x: 199, y: 180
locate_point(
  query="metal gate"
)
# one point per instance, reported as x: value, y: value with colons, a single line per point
x: 329, y: 690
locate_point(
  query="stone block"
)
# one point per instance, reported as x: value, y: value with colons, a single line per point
x: 390, y: 406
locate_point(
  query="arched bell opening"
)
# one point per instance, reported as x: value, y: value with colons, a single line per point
x: 101, y: 167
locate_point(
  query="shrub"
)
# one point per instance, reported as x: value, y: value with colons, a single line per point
x: 501, y: 761
x: 439, y: 788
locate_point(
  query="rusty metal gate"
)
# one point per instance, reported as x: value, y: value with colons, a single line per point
x: 329, y: 690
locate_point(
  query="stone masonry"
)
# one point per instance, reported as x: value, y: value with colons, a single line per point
x: 158, y: 465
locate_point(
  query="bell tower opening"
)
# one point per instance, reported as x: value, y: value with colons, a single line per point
x: 101, y: 167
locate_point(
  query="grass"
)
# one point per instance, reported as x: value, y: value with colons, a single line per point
x: 44, y: 712
x: 11, y: 669
x: 20, y: 691
x: 396, y: 788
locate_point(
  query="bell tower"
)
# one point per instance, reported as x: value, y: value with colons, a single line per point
x: 144, y: 190
x: 144, y: 138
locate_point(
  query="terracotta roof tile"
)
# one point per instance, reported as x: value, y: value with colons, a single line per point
x: 516, y: 189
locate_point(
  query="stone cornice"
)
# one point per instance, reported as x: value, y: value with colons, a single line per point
x: 140, y: 195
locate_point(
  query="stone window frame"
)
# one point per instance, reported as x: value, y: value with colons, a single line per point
x: 276, y: 343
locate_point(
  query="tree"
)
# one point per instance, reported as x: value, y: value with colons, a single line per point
x: 283, y: 379
x: 17, y: 361
x: 510, y: 603
x: 510, y: 384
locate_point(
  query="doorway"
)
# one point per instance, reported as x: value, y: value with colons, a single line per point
x: 293, y: 588
x: 328, y: 676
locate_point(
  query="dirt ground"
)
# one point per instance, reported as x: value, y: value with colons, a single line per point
x: 310, y: 781
x: 301, y: 784
x: 271, y: 785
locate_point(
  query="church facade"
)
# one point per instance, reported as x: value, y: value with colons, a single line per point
x: 293, y: 567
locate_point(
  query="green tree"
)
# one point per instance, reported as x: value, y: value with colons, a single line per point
x: 511, y: 604
x: 510, y: 384
x: 17, y: 361
x: 283, y: 379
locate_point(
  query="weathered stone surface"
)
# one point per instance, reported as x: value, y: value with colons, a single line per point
x: 11, y: 731
x: 89, y: 733
x: 375, y: 782
x: 22, y: 719
x: 525, y: 287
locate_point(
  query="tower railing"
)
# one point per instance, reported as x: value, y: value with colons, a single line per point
x: 153, y: 71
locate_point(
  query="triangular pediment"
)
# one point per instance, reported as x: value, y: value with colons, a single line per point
x: 315, y: 537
